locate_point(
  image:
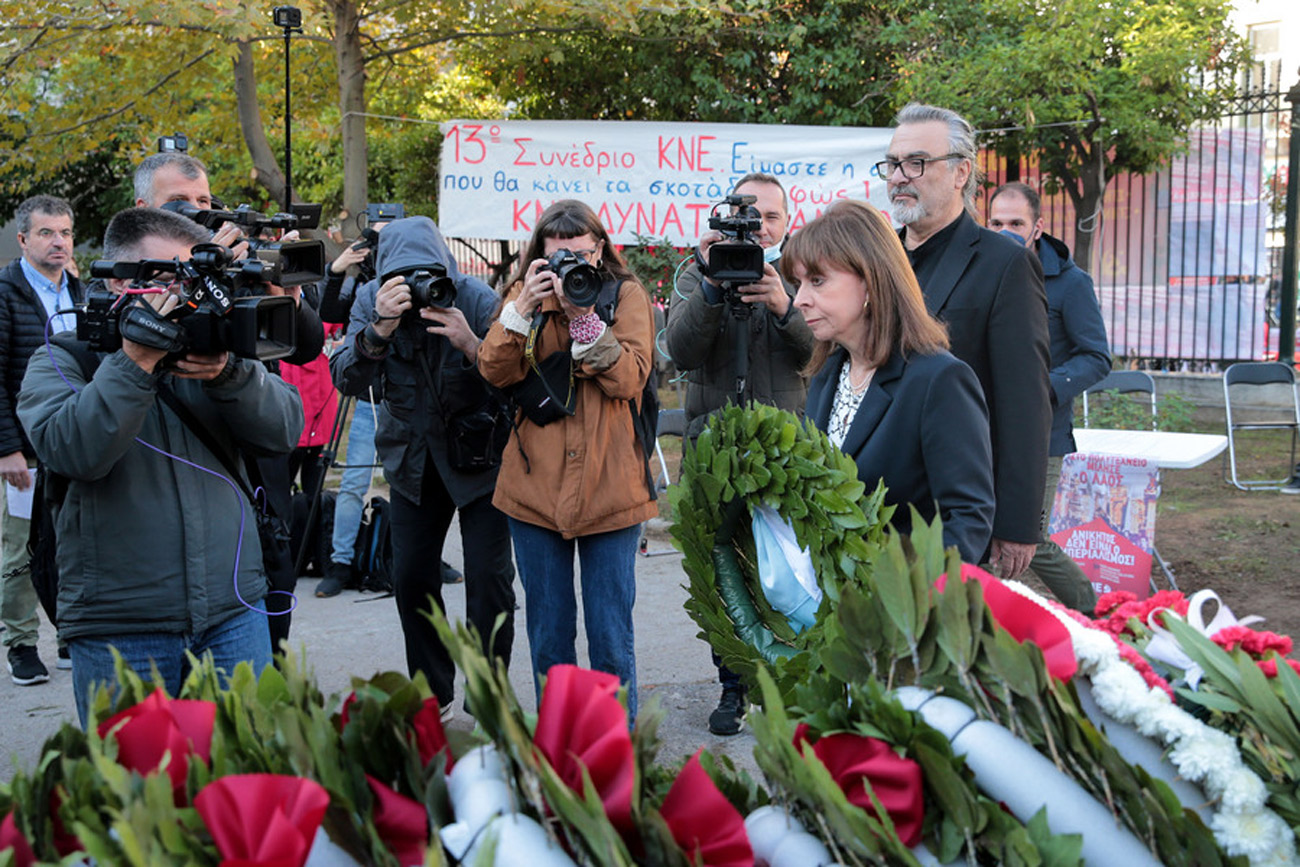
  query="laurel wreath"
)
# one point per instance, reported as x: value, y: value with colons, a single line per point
x: 759, y: 455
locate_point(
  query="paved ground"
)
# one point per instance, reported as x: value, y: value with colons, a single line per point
x: 352, y: 634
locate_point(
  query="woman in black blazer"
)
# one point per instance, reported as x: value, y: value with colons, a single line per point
x: 885, y: 389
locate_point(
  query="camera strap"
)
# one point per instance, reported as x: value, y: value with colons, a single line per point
x: 530, y: 355
x: 228, y: 461
x: 141, y: 324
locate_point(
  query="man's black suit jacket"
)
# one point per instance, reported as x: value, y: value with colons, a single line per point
x: 989, y: 292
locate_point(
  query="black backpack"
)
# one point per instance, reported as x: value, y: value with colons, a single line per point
x: 372, y: 558
x: 318, y: 538
x: 645, y: 411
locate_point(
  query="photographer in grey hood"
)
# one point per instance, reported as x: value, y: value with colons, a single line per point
x: 414, y: 334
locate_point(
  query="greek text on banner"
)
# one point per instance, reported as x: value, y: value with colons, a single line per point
x: 655, y: 180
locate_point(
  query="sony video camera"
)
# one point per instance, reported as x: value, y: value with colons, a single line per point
x: 221, y: 308
x: 737, y: 261
x: 288, y: 263
x: 580, y: 280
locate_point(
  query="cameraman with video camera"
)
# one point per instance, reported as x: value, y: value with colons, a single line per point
x: 178, y: 180
x: 739, y: 342
x: 158, y: 550
x: 440, y: 435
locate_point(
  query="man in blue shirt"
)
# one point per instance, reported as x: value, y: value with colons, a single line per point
x: 1080, y: 357
x: 32, y: 291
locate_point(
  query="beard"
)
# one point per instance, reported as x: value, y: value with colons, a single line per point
x: 904, y: 213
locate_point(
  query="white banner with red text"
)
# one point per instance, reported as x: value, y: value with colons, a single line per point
x: 652, y: 180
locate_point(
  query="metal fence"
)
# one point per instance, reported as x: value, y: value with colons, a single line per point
x: 1188, y: 258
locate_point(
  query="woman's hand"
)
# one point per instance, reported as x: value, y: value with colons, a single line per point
x: 538, y: 286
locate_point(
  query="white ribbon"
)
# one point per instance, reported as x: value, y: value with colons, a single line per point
x: 1164, y: 647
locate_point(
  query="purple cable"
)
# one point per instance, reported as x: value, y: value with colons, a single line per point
x: 239, y: 546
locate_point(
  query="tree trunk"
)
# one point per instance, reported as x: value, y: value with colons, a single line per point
x: 351, y: 63
x: 266, y: 169
x: 1081, y: 169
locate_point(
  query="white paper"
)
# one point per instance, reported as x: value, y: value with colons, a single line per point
x: 20, y: 502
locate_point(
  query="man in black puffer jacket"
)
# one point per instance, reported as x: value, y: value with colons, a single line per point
x: 32, y: 289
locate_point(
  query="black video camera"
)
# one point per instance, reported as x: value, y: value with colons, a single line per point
x: 737, y: 261
x: 580, y: 280
x: 288, y: 263
x: 430, y: 287
x: 219, y: 311
x: 176, y: 143
x: 384, y: 212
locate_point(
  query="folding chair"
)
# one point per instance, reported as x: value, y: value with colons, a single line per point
x: 1259, y: 373
x: 672, y: 423
x: 1124, y: 382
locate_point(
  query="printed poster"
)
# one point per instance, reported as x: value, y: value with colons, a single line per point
x: 1104, y: 518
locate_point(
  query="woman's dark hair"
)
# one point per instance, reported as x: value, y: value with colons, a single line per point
x: 570, y: 218
x: 853, y: 236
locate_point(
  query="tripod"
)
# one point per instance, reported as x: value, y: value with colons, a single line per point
x: 328, y: 459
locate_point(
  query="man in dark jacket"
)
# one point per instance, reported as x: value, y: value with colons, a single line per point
x: 702, y: 334
x: 439, y: 437
x: 1080, y: 358
x: 176, y: 177
x: 33, y: 289
x: 158, y: 551
x: 989, y: 292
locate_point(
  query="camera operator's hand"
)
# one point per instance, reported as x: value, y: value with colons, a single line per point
x: 570, y: 310
x: 450, y: 322
x: 294, y: 292
x: 13, y: 469
x: 230, y: 235
x: 769, y: 291
x: 393, y: 299
x: 201, y: 367
x: 538, y: 286
x: 707, y: 240
x: 349, y: 257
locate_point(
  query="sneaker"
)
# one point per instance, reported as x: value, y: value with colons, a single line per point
x: 1291, y: 487
x: 64, y: 662
x: 26, y: 667
x: 336, y: 578
x: 729, y: 718
x: 450, y: 574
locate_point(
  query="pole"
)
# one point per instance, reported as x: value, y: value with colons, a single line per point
x: 288, y: 129
x: 1286, y: 329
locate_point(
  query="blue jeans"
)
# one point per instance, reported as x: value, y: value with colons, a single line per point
x: 608, y: 575
x: 243, y: 638
x: 351, y: 500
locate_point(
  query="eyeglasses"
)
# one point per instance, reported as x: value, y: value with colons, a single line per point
x: 586, y: 254
x: 912, y: 167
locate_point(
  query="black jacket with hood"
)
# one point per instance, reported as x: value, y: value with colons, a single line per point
x: 413, y: 417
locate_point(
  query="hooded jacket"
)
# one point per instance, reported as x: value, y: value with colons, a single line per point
x: 413, y: 417
x: 1079, y: 350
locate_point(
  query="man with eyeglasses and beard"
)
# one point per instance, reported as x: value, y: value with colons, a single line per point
x: 989, y: 292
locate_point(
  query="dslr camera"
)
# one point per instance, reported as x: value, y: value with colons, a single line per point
x: 430, y: 287
x: 737, y: 261
x: 287, y: 263
x: 221, y: 308
x: 580, y: 280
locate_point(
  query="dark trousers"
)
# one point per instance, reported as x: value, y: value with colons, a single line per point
x: 419, y: 532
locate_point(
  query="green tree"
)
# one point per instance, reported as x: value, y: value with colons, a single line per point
x: 763, y: 61
x: 1092, y: 88
x: 77, y: 74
